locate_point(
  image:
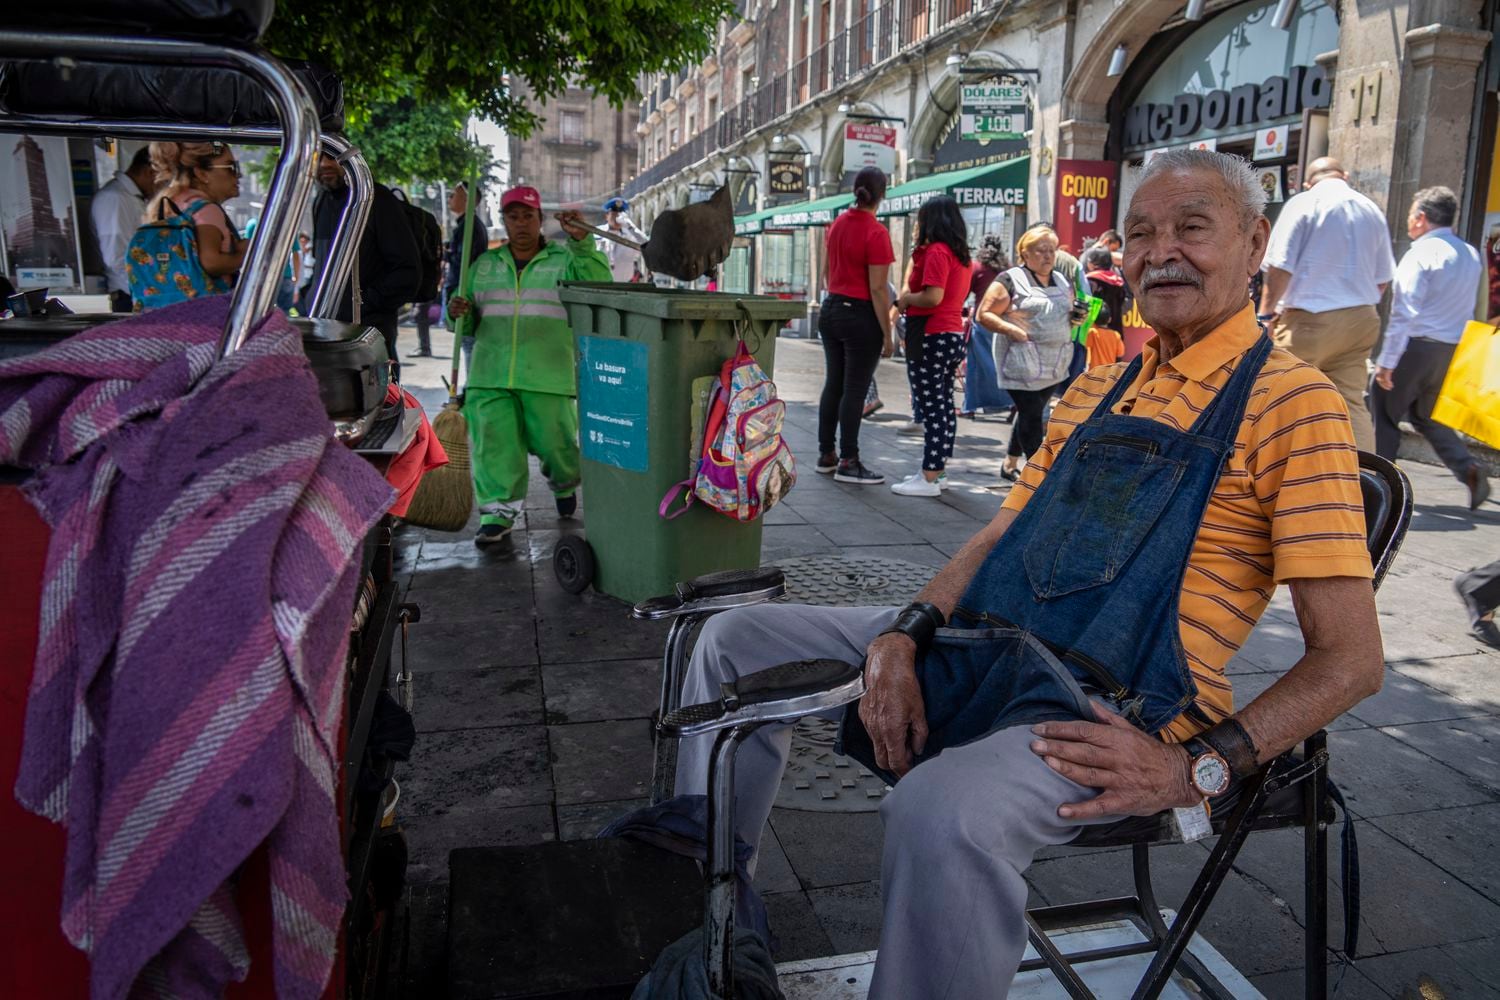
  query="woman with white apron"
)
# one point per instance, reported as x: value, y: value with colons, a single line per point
x: 1029, y: 308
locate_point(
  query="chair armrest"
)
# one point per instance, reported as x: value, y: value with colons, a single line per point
x: 779, y: 694
x: 714, y: 592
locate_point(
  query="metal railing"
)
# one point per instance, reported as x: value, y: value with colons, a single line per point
x: 885, y: 31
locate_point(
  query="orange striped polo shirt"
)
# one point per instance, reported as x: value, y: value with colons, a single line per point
x: 1288, y: 505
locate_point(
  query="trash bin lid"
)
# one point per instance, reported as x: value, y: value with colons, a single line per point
x: 677, y: 303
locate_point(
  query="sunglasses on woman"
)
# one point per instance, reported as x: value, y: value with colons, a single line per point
x: 231, y: 165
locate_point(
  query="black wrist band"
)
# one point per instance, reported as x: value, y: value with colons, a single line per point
x: 918, y: 621
x: 1234, y: 744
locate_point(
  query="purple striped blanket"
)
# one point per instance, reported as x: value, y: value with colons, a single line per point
x: 188, y: 684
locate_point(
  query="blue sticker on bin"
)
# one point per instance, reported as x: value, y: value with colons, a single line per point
x: 613, y: 397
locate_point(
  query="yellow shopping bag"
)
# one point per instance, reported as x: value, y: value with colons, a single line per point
x: 1470, y: 400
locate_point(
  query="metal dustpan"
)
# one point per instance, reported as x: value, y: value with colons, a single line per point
x: 686, y: 243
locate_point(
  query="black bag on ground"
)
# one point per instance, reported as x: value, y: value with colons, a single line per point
x: 429, y: 236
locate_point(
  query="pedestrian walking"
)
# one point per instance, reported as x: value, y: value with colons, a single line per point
x: 1328, y: 264
x: 855, y: 326
x: 117, y: 209
x: 1029, y: 310
x: 1479, y: 589
x: 389, y: 265
x: 625, y: 264
x: 479, y: 242
x: 519, y: 399
x: 981, y: 385
x: 1436, y: 286
x: 167, y: 264
x: 933, y: 302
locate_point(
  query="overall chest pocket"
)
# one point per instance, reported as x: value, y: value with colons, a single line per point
x: 1107, y: 500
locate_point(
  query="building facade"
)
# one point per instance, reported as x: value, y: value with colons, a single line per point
x: 1405, y: 94
x: 582, y: 154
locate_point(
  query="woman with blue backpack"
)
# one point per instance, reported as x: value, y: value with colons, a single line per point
x: 187, y: 246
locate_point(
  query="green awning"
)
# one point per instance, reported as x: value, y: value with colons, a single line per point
x: 810, y: 213
x: 749, y: 225
x: 1000, y: 185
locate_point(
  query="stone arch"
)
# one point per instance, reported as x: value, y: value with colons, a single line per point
x: 1087, y: 91
x: 928, y: 130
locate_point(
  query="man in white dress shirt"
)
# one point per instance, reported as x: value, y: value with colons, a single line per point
x: 1328, y: 264
x: 116, y: 213
x: 624, y: 263
x: 1436, y: 288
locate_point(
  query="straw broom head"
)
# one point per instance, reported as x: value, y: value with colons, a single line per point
x: 445, y: 497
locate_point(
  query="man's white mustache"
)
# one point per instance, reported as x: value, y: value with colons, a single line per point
x: 1154, y: 276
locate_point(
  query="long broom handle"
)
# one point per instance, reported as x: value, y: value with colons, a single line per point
x: 624, y: 241
x: 465, y: 252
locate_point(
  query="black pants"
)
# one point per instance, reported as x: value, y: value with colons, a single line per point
x: 387, y: 325
x: 1482, y: 585
x: 1031, y: 410
x: 932, y: 382
x: 851, y: 347
x: 424, y: 328
x: 1418, y: 378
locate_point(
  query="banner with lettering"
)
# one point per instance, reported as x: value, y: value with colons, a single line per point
x: 1085, y: 198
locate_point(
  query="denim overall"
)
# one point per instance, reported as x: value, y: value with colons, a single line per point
x: 1079, y: 597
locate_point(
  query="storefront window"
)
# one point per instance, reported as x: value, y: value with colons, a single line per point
x: 1234, y: 48
x: 784, y: 271
x: 736, y: 271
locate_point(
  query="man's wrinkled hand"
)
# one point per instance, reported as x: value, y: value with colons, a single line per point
x: 1137, y: 774
x: 458, y: 307
x: 892, y: 709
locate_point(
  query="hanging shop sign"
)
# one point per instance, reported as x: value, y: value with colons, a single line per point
x: 788, y: 176
x: 992, y: 111
x: 1270, y: 182
x: 1245, y: 107
x: 867, y: 145
x: 1086, y: 193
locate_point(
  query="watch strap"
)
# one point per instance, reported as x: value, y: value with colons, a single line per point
x: 1230, y: 740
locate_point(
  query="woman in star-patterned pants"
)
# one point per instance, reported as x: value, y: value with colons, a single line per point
x: 932, y: 384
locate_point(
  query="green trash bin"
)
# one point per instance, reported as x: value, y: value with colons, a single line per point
x: 640, y: 349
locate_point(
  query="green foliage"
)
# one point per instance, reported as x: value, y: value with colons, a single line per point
x: 456, y: 54
x: 403, y: 139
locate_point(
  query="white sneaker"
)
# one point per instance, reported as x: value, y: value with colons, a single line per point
x: 942, y: 481
x: 916, y: 485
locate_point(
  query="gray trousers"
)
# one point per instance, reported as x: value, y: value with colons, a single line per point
x: 1418, y: 378
x: 959, y: 831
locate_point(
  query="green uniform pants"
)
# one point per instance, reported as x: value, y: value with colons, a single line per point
x: 505, y: 425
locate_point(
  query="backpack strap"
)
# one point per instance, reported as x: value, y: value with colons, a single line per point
x: 671, y: 498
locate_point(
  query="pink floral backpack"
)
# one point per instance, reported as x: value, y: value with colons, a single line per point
x: 745, y: 467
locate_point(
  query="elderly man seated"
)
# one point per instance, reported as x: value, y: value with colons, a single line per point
x: 1068, y: 665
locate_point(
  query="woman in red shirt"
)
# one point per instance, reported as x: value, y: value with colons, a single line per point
x: 855, y: 326
x: 934, y: 304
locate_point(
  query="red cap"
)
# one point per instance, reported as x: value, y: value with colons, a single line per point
x: 521, y: 196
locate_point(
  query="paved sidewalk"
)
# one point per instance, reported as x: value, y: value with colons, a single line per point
x: 532, y: 706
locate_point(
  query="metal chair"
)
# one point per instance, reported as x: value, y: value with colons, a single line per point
x: 1291, y: 791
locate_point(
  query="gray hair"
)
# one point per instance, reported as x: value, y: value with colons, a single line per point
x: 1239, y: 177
x: 1439, y: 204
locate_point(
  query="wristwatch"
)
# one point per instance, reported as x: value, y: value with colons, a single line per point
x: 1207, y: 769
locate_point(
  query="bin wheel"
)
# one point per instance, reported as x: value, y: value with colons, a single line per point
x: 573, y: 564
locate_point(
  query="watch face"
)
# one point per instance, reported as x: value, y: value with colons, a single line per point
x: 1210, y: 774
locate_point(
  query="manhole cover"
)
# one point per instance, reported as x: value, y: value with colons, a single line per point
x: 853, y: 581
x: 819, y: 780
x: 816, y: 778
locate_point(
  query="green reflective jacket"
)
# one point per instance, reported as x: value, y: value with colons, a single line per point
x: 522, y: 338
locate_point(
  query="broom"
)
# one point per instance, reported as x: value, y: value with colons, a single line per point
x: 445, y: 497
